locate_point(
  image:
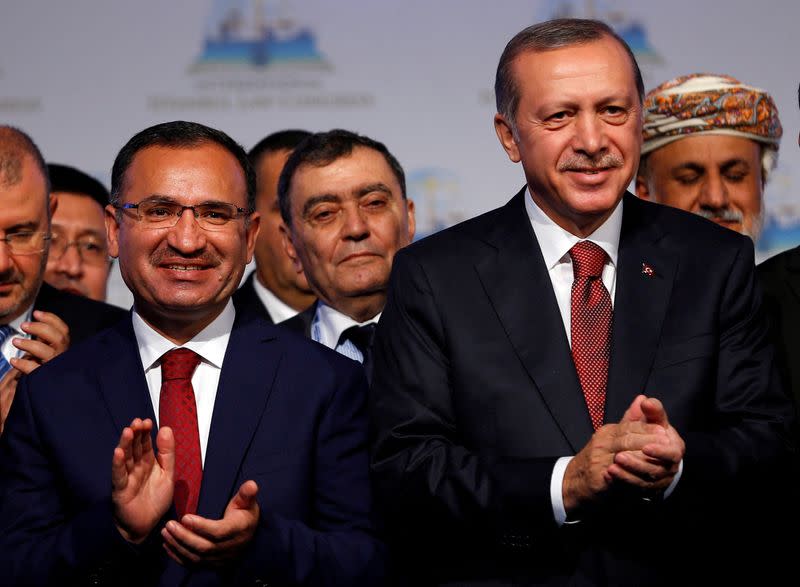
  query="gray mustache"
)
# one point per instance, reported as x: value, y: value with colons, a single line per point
x: 582, y: 163
x: 723, y: 215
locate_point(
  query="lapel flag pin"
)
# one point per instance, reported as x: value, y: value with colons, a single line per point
x: 647, y: 271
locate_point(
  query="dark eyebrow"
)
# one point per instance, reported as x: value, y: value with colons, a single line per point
x: 726, y: 165
x: 320, y: 199
x: 373, y: 187
x: 22, y: 227
x: 689, y: 166
x: 171, y: 200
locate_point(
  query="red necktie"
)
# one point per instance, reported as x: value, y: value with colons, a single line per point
x: 177, y: 409
x: 591, y: 326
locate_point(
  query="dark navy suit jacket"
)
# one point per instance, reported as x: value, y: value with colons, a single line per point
x: 289, y: 414
x: 475, y: 396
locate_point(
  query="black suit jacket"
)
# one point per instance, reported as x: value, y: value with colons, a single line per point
x: 83, y: 316
x: 247, y: 302
x: 780, y: 278
x: 475, y: 396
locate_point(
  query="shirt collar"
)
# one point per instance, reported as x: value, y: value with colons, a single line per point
x: 332, y: 323
x: 556, y: 242
x: 16, y: 323
x: 276, y: 307
x: 210, y: 343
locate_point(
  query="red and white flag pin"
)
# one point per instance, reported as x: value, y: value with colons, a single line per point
x: 647, y: 270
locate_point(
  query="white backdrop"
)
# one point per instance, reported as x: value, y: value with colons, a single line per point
x: 83, y: 76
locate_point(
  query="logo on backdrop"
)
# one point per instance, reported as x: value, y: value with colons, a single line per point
x: 256, y: 56
x: 632, y: 30
x: 256, y: 35
x: 437, y: 197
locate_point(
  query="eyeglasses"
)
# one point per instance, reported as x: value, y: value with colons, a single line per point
x: 164, y: 214
x: 26, y: 243
x: 89, y: 249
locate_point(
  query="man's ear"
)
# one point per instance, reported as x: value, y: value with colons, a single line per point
x: 253, y: 226
x: 505, y: 133
x: 412, y: 220
x: 52, y: 204
x: 288, y: 246
x: 642, y: 190
x: 112, y: 230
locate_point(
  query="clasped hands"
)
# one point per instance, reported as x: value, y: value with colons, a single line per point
x: 641, y: 451
x: 142, y: 492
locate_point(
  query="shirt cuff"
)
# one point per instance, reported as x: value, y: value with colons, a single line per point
x: 557, y: 491
x: 675, y: 480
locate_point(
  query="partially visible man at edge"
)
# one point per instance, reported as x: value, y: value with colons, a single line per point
x: 37, y: 322
x: 78, y: 260
x: 780, y: 277
x: 710, y: 143
x: 246, y: 481
x: 277, y: 289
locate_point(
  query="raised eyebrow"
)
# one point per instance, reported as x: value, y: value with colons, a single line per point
x: 373, y: 187
x: 320, y: 199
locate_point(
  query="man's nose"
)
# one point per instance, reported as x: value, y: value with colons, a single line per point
x: 187, y: 236
x: 70, y: 262
x: 356, y: 226
x: 714, y: 192
x: 589, y: 135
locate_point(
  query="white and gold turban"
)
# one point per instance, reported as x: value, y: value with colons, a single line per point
x: 714, y: 104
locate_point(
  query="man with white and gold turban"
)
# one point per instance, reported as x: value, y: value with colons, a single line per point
x: 710, y: 142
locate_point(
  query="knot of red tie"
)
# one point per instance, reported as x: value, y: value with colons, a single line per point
x: 588, y: 259
x: 179, y: 364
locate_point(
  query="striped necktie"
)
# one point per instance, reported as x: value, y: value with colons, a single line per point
x: 5, y: 332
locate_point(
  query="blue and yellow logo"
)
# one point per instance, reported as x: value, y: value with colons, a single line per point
x: 256, y: 34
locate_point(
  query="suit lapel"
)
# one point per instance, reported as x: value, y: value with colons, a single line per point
x: 793, y: 273
x: 121, y: 379
x: 521, y: 292
x: 645, y: 275
x: 248, y: 372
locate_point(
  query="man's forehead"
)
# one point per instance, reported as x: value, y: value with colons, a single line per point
x: 709, y: 147
x: 191, y: 170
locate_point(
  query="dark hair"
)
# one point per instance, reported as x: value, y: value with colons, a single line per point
x: 324, y: 148
x: 179, y: 134
x: 14, y: 145
x: 283, y: 140
x: 64, y: 178
x: 547, y: 36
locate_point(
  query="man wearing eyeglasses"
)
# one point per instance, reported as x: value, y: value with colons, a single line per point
x: 37, y: 322
x: 196, y: 447
x: 78, y: 261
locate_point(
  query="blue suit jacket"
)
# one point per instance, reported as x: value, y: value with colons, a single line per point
x: 288, y: 414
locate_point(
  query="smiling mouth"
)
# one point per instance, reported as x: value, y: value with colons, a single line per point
x: 593, y: 171
x: 184, y: 267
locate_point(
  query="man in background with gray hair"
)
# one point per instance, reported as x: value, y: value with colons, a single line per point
x: 710, y: 142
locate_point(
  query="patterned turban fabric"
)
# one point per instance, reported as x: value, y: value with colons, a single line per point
x: 708, y: 103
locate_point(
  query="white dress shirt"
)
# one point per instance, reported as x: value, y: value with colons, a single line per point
x: 329, y: 324
x: 555, y: 243
x: 276, y: 308
x: 8, y: 349
x: 210, y: 343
